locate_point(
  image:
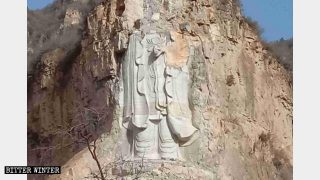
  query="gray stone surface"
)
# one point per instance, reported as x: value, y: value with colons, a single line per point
x: 155, y: 100
x: 240, y: 98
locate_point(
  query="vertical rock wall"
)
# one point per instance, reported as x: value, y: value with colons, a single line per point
x: 241, y: 97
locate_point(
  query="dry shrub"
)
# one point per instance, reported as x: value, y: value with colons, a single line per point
x: 283, y: 51
x: 44, y: 32
x: 254, y: 25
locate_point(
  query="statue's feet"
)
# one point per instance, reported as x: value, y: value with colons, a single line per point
x: 145, y: 156
x: 169, y: 158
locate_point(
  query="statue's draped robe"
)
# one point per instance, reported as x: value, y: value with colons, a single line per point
x: 153, y: 90
x: 136, y: 111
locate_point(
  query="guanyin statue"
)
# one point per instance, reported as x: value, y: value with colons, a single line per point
x: 155, y: 100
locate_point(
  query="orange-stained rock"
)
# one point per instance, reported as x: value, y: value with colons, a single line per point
x: 177, y: 52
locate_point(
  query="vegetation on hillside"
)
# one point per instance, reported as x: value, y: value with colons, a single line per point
x: 283, y: 50
x: 45, y: 32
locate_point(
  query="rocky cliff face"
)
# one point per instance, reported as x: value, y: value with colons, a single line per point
x: 241, y: 97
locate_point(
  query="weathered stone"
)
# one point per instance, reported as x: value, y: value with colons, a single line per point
x: 208, y: 49
x: 177, y: 52
x: 72, y: 17
x: 185, y: 27
x: 152, y: 108
x: 155, y: 17
x: 133, y: 10
x: 49, y: 70
x: 240, y: 98
x: 121, y: 42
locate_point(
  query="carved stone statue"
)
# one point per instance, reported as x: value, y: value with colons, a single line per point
x: 156, y: 109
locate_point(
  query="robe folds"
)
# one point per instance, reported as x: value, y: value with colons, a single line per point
x: 155, y: 91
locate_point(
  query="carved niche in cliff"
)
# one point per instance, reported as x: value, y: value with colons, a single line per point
x: 156, y: 110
